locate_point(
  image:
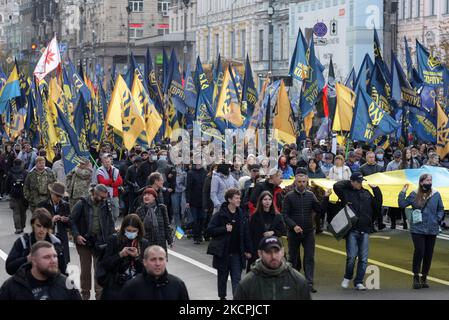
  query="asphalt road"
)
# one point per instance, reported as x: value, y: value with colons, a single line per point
x: 390, y: 254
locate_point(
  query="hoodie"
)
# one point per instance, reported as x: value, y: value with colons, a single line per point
x: 220, y: 183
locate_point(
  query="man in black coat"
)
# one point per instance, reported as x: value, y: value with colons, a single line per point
x: 231, y: 243
x: 194, y: 197
x: 60, y: 212
x: 365, y: 206
x: 155, y: 283
x: 40, y: 279
x: 14, y: 187
x: 297, y: 211
x: 92, y: 224
x: 131, y: 183
x: 146, y: 168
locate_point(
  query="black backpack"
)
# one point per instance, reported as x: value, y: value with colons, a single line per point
x: 17, y: 188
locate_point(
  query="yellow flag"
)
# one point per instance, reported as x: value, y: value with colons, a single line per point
x: 344, y: 109
x: 308, y: 123
x: 123, y: 114
x: 145, y: 105
x: 228, y: 106
x: 442, y: 133
x: 283, y: 124
x: 55, y: 97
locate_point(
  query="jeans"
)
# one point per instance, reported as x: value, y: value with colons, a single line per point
x: 357, y: 245
x: 307, y: 240
x: 230, y: 264
x: 178, y: 207
x: 198, y: 216
x: 115, y: 208
x: 423, y: 252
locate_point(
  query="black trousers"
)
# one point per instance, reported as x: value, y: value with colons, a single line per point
x: 423, y: 252
x: 307, y: 240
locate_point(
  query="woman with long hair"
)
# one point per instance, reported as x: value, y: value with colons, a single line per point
x: 313, y: 170
x: 264, y: 223
x: 427, y: 215
x: 339, y: 171
x: 122, y: 260
x: 408, y: 162
x: 287, y: 171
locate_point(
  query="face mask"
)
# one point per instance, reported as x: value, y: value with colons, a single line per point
x: 163, y: 158
x: 131, y: 235
x: 154, y: 158
x: 380, y: 156
x: 427, y: 186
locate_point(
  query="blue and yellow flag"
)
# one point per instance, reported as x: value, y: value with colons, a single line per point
x: 442, y: 133
x: 430, y: 68
x: 179, y: 233
x: 369, y: 120
x: 249, y: 94
x: 228, y: 107
x: 176, y: 89
x: 380, y: 90
x: 412, y: 74
x: 364, y: 74
x: 299, y: 65
x: 10, y: 90
x: 423, y: 125
x: 166, y: 80
x: 123, y: 114
x: 378, y: 58
x: 351, y: 80
x: 3, y: 78
x: 283, y: 119
x: 218, y: 75
x: 77, y: 84
x: 401, y: 91
x: 191, y: 97
x: 145, y: 105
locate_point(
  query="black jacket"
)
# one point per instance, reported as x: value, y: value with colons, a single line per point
x: 207, y: 202
x: 15, y: 174
x: 115, y: 266
x: 21, y: 249
x: 18, y: 287
x: 81, y: 219
x: 163, y: 234
x: 61, y: 228
x: 219, y: 245
x: 131, y: 179
x: 369, y: 169
x: 257, y: 228
x: 297, y: 209
x: 144, y: 171
x: 262, y: 186
x: 362, y: 202
x: 147, y: 287
x: 194, y: 191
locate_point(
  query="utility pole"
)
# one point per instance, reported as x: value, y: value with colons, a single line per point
x: 128, y: 48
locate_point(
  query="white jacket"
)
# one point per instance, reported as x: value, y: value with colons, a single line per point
x: 340, y: 173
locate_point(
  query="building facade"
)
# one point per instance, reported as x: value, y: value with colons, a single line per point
x: 343, y: 30
x: 10, y: 32
x: 428, y: 22
x: 235, y: 29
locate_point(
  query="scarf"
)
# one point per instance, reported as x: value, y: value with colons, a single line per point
x: 150, y: 221
x: 261, y: 268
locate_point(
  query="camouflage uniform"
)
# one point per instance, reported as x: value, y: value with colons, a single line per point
x: 35, y: 188
x: 78, y: 183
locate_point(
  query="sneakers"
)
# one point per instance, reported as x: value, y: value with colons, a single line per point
x: 345, y: 283
x: 312, y: 289
x: 416, y: 283
x: 424, y: 283
x: 360, y: 287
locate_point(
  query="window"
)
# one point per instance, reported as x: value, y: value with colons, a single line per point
x: 162, y: 7
x: 181, y: 27
x: 242, y: 43
x: 410, y: 9
x: 403, y: 9
x: 260, y: 44
x: 432, y: 7
x: 136, y: 6
x: 192, y: 23
x: 418, y: 8
x: 135, y: 33
x: 446, y: 6
x: 232, y: 38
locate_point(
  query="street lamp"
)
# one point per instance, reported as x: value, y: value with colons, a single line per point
x: 186, y: 5
x: 129, y: 9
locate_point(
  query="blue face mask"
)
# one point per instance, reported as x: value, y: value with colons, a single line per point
x: 163, y: 158
x: 131, y: 235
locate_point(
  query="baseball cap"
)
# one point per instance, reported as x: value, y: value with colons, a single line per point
x: 357, y: 176
x: 397, y: 154
x: 270, y: 242
x: 301, y: 170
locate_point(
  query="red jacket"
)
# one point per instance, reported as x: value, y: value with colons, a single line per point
x: 114, y: 184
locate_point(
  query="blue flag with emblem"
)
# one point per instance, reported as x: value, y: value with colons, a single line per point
x: 412, y: 74
x: 77, y: 84
x: 3, y: 78
x: 191, y: 97
x: 299, y: 65
x: 10, y: 90
x: 249, y: 94
x: 351, y: 80
x: 430, y: 68
x: 423, y: 124
x: 369, y: 120
x: 378, y: 58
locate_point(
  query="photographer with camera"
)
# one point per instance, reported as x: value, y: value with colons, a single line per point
x: 92, y: 223
x: 123, y: 257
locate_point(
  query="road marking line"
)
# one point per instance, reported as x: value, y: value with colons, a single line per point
x: 3, y: 255
x: 192, y: 261
x: 384, y: 265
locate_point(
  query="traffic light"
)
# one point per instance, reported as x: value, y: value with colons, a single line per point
x: 33, y: 46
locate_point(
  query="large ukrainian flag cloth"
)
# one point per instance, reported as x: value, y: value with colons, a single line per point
x: 391, y: 183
